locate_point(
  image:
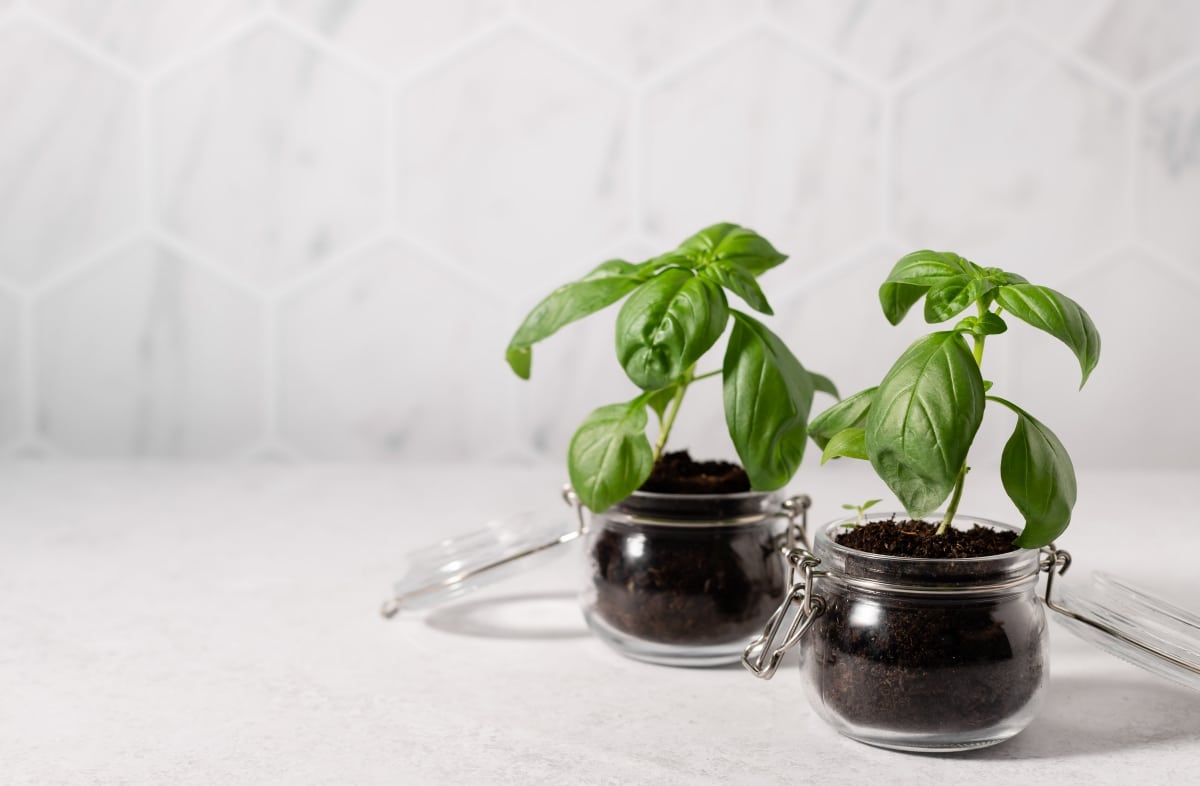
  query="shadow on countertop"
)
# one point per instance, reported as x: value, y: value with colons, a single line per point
x: 542, y: 615
x: 1084, y: 716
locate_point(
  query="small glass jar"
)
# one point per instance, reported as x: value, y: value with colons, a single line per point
x: 926, y: 654
x: 911, y: 653
x: 684, y: 579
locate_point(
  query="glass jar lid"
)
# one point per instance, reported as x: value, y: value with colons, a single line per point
x: 456, y: 566
x: 1127, y: 622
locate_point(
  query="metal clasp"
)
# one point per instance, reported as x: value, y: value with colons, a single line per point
x: 797, y: 532
x: 759, y: 657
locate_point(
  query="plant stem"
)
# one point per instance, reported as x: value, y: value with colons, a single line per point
x: 954, y: 500
x: 669, y: 421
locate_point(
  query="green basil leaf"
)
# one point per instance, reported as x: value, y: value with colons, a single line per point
x: 610, y: 456
x: 823, y: 384
x: 738, y: 281
x: 659, y: 400
x: 923, y: 420
x: 1059, y: 316
x: 952, y: 296
x: 737, y: 246
x: 602, y: 287
x: 913, y: 276
x: 767, y: 399
x: 1038, y: 477
x: 850, y: 412
x: 848, y: 443
x: 667, y: 324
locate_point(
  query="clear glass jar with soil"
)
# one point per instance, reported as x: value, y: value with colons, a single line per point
x: 926, y: 654
x: 920, y: 654
x: 685, y: 579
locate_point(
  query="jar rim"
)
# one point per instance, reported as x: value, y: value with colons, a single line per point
x: 998, y: 571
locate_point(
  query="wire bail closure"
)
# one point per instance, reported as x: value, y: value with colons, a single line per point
x: 759, y: 657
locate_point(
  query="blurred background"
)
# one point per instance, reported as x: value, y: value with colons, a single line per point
x: 304, y: 230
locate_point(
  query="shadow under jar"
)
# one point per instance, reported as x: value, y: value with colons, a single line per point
x: 685, y: 579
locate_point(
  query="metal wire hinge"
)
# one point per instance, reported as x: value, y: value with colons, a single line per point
x: 759, y: 657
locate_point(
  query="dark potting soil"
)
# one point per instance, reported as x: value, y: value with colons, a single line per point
x: 683, y: 585
x: 679, y: 473
x: 925, y: 664
x: 920, y: 539
x: 675, y: 585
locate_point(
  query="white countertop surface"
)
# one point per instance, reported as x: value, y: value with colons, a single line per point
x: 195, y: 625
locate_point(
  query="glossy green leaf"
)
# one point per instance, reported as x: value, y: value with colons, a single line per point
x: 659, y: 400
x: 602, y: 287
x: 667, y: 324
x: 850, y: 412
x: 734, y: 245
x: 768, y: 395
x: 1039, y: 478
x: 823, y: 384
x: 1058, y: 315
x: 923, y: 419
x: 738, y: 281
x: 848, y: 443
x: 952, y: 297
x: 610, y: 456
x: 914, y: 275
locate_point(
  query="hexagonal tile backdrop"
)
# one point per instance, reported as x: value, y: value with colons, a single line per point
x: 307, y: 228
x: 272, y: 172
x: 148, y: 354
x: 147, y: 33
x: 69, y: 150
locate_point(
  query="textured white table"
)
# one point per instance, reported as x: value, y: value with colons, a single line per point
x: 190, y: 624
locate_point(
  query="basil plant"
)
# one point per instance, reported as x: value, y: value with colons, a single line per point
x: 676, y: 308
x: 916, y: 427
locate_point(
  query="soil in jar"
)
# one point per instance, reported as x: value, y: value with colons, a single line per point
x: 680, y: 585
x: 928, y: 665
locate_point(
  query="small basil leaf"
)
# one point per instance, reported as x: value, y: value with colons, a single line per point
x: 923, y: 420
x: 735, y: 245
x: 610, y: 456
x: 659, y: 400
x: 850, y: 412
x: 987, y: 385
x: 914, y: 275
x: 990, y: 324
x: 849, y: 443
x: 738, y: 281
x: 823, y: 384
x: 767, y: 399
x: 667, y: 324
x: 1059, y: 316
x: 1039, y: 478
x: 602, y: 287
x: 952, y: 296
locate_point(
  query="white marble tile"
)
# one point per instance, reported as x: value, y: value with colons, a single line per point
x: 395, y: 36
x: 887, y: 38
x: 763, y: 136
x: 514, y: 160
x: 1168, y: 144
x: 68, y: 155
x: 392, y: 355
x: 145, y: 354
x: 1134, y: 39
x: 636, y: 36
x: 145, y: 33
x: 12, y: 378
x: 269, y: 156
x: 1014, y: 160
x: 1135, y: 408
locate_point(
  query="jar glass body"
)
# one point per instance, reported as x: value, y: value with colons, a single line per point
x: 684, y: 579
x: 926, y: 654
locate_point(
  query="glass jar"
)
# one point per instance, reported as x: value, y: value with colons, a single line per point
x: 684, y: 579
x: 917, y: 654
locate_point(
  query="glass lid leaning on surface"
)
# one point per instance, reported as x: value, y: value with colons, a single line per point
x: 456, y: 566
x: 1127, y: 622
